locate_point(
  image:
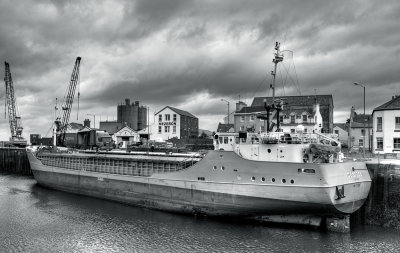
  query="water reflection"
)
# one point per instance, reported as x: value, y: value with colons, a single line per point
x: 37, y: 219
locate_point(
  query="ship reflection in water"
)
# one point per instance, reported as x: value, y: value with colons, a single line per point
x: 35, y: 219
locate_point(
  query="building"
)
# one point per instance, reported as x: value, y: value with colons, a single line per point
x: 356, y: 130
x: 315, y: 113
x: 35, y: 139
x: 386, y: 127
x: 132, y: 115
x: 171, y: 122
x: 126, y: 136
x: 341, y: 130
x: 111, y: 127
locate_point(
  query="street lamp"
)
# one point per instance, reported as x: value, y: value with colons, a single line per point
x: 364, y: 115
x: 228, y: 106
x: 94, y: 119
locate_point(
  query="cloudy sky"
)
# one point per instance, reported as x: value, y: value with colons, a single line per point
x: 190, y: 54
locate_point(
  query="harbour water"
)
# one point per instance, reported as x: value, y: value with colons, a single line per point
x: 36, y: 219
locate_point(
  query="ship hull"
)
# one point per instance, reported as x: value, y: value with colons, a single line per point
x: 176, y: 193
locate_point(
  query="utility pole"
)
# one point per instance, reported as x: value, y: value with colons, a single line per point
x: 228, y: 106
x: 364, y: 119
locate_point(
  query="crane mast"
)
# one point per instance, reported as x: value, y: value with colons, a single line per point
x: 63, y: 119
x: 14, y: 120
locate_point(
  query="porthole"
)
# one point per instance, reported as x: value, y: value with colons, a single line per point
x: 253, y: 178
x: 273, y: 180
x: 292, y: 181
x: 215, y: 167
x: 284, y: 181
x: 263, y: 179
x: 281, y: 151
x: 269, y: 150
x: 222, y: 168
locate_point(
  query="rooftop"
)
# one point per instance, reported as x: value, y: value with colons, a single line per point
x: 296, y: 100
x: 178, y: 111
x: 393, y: 104
x: 224, y: 128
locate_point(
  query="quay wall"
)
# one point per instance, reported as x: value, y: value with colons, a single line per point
x: 14, y: 160
x: 382, y: 207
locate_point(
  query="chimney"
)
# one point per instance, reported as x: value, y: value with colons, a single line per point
x: 86, y: 123
x: 127, y: 101
x: 240, y: 105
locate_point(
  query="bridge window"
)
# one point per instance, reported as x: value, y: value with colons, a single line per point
x: 253, y: 178
x: 200, y: 178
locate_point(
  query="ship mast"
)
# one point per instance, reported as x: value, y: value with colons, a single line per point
x: 278, y: 58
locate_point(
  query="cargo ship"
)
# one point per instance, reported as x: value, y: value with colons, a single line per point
x: 246, y: 175
x: 274, y: 173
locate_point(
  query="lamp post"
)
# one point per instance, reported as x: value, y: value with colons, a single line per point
x: 94, y: 119
x: 364, y: 115
x: 228, y: 106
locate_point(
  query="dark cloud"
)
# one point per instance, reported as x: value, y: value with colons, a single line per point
x: 190, y: 54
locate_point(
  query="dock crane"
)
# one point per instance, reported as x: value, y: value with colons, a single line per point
x: 16, y: 128
x: 62, y: 120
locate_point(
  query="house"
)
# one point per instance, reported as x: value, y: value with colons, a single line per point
x: 341, y: 130
x: 315, y: 113
x: 126, y: 136
x: 359, y: 122
x: 386, y: 127
x: 171, y: 123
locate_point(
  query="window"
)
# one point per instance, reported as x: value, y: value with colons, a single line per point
x: 281, y: 119
x: 292, y: 131
x: 361, y: 142
x: 305, y: 130
x: 379, y: 124
x: 396, y: 143
x: 174, y: 129
x: 292, y: 119
x: 167, y: 117
x: 241, y: 128
x: 225, y: 140
x: 304, y: 118
x: 251, y: 117
x: 159, y: 117
x: 362, y: 132
x: 379, y: 143
x: 159, y: 129
x: 166, y: 129
x: 242, y: 118
x: 298, y: 116
x: 337, y: 132
x: 397, y: 125
x: 174, y: 117
x: 262, y: 129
